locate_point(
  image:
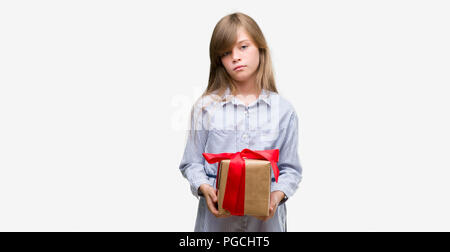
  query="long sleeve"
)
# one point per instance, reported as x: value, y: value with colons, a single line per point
x: 192, y: 163
x: 288, y: 162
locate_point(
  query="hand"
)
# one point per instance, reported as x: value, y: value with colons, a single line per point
x: 275, y: 198
x: 210, y: 194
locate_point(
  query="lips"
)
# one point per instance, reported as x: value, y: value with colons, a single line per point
x: 239, y: 67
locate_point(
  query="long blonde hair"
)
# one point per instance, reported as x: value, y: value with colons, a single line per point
x: 223, y: 38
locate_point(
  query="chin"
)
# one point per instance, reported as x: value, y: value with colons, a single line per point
x: 242, y: 77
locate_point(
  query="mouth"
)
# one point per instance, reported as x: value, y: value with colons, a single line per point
x: 238, y: 68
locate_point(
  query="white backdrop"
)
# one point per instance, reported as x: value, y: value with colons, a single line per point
x: 94, y: 99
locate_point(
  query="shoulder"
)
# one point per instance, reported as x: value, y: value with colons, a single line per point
x: 206, y: 102
x: 204, y: 108
x: 282, y: 101
x: 285, y: 108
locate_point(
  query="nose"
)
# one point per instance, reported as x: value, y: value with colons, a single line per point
x: 236, y: 55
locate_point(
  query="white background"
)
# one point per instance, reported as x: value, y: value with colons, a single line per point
x: 94, y: 99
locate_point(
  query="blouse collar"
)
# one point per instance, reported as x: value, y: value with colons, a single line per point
x: 227, y: 97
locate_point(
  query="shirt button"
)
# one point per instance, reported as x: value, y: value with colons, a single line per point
x: 244, y: 136
x: 246, y: 112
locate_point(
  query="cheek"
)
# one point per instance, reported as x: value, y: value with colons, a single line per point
x: 226, y: 64
x: 253, y: 57
x: 256, y: 57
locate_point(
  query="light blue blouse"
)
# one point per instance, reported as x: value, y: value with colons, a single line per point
x: 225, y: 124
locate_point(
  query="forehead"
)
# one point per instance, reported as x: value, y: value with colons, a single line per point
x: 242, y: 36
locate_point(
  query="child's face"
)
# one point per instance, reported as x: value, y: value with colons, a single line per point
x: 244, y: 52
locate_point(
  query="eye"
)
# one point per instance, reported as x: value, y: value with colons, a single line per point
x: 225, y: 54
x: 244, y: 46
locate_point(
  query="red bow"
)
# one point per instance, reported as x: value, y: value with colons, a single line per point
x: 235, y: 188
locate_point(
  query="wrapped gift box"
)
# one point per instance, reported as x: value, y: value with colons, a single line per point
x: 257, y: 186
x: 243, y: 180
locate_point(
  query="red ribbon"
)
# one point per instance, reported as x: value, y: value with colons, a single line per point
x: 235, y: 188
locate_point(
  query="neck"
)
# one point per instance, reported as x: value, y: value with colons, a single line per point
x: 247, y: 87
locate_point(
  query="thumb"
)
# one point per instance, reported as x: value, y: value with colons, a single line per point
x: 273, y: 207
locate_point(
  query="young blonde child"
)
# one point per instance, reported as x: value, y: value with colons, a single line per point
x: 240, y: 108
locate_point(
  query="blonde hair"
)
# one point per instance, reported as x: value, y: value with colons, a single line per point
x: 223, y: 38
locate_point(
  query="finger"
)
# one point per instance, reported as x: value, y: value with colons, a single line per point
x: 273, y: 204
x: 272, y: 211
x: 273, y: 207
x: 214, y: 197
x: 212, y: 208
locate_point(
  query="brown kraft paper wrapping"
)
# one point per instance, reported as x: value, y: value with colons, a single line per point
x: 257, y: 186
